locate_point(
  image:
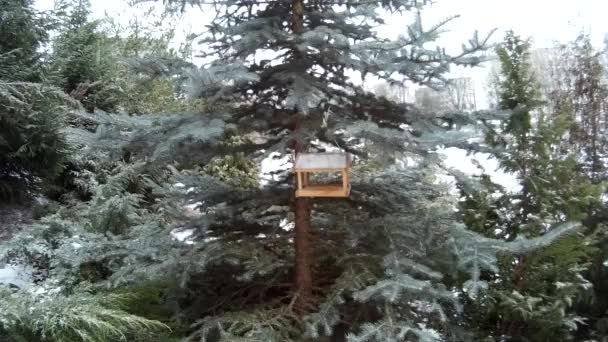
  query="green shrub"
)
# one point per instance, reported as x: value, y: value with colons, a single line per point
x: 235, y: 170
x: 32, y: 147
x: 80, y: 317
x: 157, y: 95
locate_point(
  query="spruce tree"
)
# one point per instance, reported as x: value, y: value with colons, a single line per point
x: 304, y: 82
x: 163, y: 207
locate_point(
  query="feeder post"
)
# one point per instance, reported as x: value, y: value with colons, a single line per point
x: 300, y: 181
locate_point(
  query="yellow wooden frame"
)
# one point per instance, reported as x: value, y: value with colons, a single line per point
x: 305, y: 189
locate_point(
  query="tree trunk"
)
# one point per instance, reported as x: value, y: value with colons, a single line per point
x: 303, y: 276
x: 519, y: 273
x: 303, y: 252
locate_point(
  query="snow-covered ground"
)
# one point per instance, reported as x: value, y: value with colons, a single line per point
x: 18, y: 275
x: 183, y: 235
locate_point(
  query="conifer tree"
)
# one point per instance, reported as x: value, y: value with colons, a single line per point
x: 552, y: 190
x: 303, y: 82
x: 76, y: 55
x: 168, y: 208
x: 588, y: 92
x: 150, y: 71
x: 519, y: 94
x: 22, y: 34
x: 32, y: 148
x: 83, y: 61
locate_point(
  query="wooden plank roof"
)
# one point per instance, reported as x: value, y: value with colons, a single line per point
x: 322, y: 161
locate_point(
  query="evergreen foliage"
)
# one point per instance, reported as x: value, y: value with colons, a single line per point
x: 82, y: 59
x: 586, y: 90
x: 110, y: 67
x: 159, y: 228
x: 32, y: 145
x: 235, y: 170
x: 76, y: 51
x: 535, y: 295
x: 151, y: 72
x: 81, y: 316
x: 22, y: 34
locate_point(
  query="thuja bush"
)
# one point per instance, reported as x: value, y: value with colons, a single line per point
x: 235, y: 170
x: 32, y: 147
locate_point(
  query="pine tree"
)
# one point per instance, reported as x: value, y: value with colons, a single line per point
x: 150, y: 72
x: 167, y: 202
x: 581, y: 75
x: 22, y: 34
x: 589, y: 94
x: 75, y: 50
x: 83, y: 59
x: 32, y: 147
x: 553, y: 189
x: 519, y: 94
x: 305, y: 78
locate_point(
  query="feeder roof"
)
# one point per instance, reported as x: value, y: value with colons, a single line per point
x: 322, y: 161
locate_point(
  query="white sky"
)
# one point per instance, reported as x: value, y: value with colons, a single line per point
x: 545, y: 21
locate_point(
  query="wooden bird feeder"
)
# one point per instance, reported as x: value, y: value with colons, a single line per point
x: 328, y: 163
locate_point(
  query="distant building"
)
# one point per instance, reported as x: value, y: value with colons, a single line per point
x: 395, y: 92
x: 458, y: 95
x: 432, y: 101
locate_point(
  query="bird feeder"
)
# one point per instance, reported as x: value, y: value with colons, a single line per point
x: 307, y: 164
